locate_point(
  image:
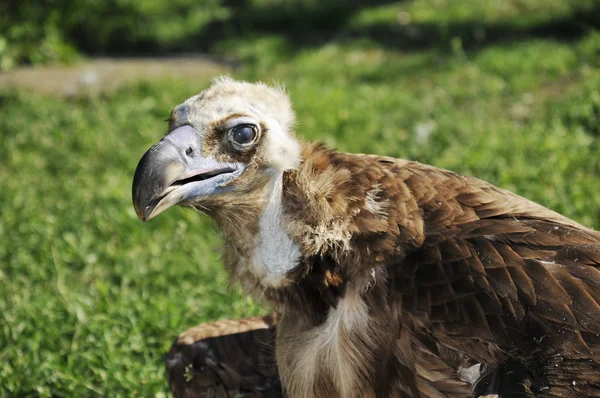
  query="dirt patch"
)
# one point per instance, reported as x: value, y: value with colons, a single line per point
x: 104, y: 75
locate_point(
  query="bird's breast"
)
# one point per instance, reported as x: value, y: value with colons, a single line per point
x: 331, y: 359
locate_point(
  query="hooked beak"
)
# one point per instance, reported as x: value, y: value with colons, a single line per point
x: 174, y: 171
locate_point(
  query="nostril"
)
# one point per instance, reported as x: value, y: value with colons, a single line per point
x: 189, y: 152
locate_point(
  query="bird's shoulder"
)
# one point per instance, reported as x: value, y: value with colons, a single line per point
x: 471, y: 260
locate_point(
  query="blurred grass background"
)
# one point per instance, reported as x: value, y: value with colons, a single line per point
x: 91, y: 299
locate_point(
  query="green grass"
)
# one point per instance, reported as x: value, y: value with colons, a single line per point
x: 91, y: 299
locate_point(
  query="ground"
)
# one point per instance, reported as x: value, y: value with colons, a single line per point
x: 91, y: 299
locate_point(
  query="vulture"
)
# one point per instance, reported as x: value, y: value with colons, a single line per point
x: 389, y: 278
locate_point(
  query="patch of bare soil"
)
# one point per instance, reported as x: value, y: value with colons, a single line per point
x: 104, y: 75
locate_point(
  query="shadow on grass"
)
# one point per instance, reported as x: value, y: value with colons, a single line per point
x: 474, y: 35
x: 307, y: 26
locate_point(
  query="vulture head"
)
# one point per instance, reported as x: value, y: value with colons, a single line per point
x: 223, y: 147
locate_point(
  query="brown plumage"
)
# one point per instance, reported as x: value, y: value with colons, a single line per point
x: 392, y: 278
x: 225, y: 359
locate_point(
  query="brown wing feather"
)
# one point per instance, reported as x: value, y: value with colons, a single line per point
x: 499, y: 277
x: 225, y: 359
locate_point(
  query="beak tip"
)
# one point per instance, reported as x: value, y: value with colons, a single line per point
x: 141, y: 216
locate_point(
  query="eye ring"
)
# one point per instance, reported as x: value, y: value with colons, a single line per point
x: 242, y: 135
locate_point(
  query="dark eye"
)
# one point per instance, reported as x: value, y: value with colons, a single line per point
x: 243, y: 134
